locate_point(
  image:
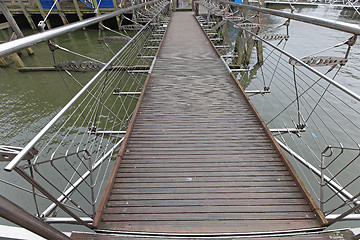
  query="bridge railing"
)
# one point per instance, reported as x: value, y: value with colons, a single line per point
x: 301, y: 99
x: 67, y: 163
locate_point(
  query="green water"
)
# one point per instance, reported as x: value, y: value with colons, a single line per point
x: 29, y: 100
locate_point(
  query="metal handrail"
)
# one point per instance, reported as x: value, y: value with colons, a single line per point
x: 21, y: 43
x: 14, y: 213
x: 341, y: 191
x: 345, y: 27
x: 324, y: 166
x: 326, y: 23
x: 299, y: 61
x: 37, y: 138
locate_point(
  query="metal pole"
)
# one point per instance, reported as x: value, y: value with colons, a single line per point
x: 19, y: 216
x: 64, y: 196
x: 322, y: 183
x: 345, y: 27
x: 336, y: 188
x: 18, y: 44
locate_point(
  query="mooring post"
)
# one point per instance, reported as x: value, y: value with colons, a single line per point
x: 239, y: 47
x: 259, y: 47
x: 196, y: 9
x: 258, y: 44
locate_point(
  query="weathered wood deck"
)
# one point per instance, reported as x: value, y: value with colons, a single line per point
x: 198, y: 159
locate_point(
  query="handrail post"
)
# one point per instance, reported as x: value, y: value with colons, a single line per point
x: 322, y: 181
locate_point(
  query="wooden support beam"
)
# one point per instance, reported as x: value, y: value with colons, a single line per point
x: 10, y: 19
x: 15, y: 28
x: 79, y: 13
x: 17, y: 60
x: 116, y: 7
x: 61, y: 13
x: 42, y: 12
x: 5, y: 25
x: 3, y: 62
x: 27, y: 15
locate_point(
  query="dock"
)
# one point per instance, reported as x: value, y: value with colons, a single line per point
x: 197, y: 158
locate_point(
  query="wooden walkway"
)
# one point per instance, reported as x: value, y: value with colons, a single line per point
x: 198, y: 160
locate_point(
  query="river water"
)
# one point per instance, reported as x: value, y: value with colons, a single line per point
x: 28, y: 100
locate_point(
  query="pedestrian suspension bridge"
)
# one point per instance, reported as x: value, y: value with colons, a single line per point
x: 169, y: 138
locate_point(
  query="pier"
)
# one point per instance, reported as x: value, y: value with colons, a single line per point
x: 175, y: 136
x: 197, y: 158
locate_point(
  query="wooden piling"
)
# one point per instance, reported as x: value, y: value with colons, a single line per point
x: 239, y: 48
x: 259, y: 46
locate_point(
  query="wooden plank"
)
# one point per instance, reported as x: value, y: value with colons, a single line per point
x: 192, y: 184
x: 192, y: 164
x: 242, y: 178
x: 206, y: 209
x: 216, y: 227
x: 191, y: 175
x: 226, y: 157
x: 207, y: 216
x: 205, y: 189
x: 5, y: 25
x: 115, y: 197
x: 198, y: 168
x: 206, y: 202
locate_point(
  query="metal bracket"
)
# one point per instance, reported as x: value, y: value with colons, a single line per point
x: 262, y: 92
x: 288, y: 130
x: 275, y: 36
x: 114, y: 39
x: 126, y: 93
x: 80, y: 66
x: 319, y: 61
x: 247, y: 25
x: 7, y: 153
